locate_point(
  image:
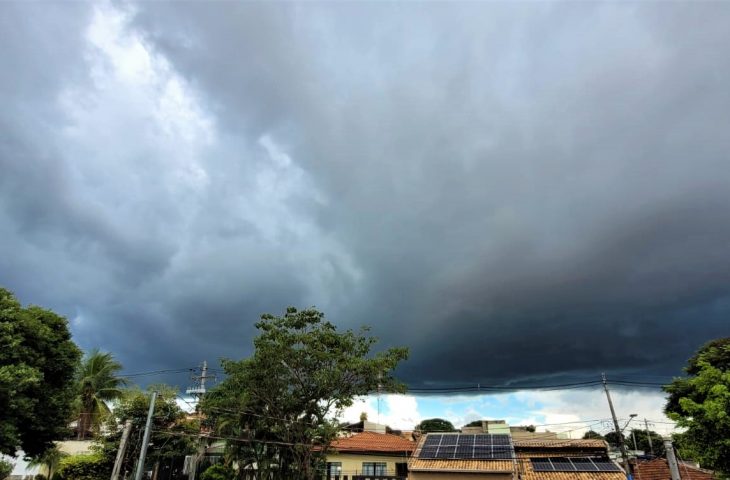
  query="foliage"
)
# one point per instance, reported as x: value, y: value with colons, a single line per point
x: 700, y: 402
x: 40, y: 476
x: 37, y: 364
x: 475, y: 423
x: 591, y: 435
x: 436, y: 425
x: 51, y: 459
x: 173, y: 435
x: 97, y: 383
x: 642, y: 441
x: 281, y: 400
x: 613, y: 438
x: 83, y: 467
x: 218, y: 472
x: 6, y: 468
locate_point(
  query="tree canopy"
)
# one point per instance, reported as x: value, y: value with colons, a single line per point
x: 700, y: 402
x: 642, y: 441
x: 275, y: 406
x: 591, y: 435
x: 98, y: 383
x: 37, y: 364
x: 436, y: 425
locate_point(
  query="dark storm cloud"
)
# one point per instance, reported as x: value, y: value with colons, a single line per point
x: 515, y: 191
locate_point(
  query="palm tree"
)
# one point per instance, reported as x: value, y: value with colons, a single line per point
x: 50, y: 459
x: 98, y: 384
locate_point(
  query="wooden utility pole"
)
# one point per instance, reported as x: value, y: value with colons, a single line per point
x: 648, y: 437
x: 122, y: 448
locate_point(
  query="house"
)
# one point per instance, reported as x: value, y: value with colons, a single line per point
x: 369, y: 454
x: 565, y: 459
x: 658, y: 469
x: 441, y: 456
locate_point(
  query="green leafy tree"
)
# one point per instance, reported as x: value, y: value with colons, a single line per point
x: 37, y: 364
x: 6, y: 468
x: 278, y: 404
x: 592, y: 435
x: 50, y: 459
x: 613, y: 438
x: 219, y: 472
x: 98, y: 384
x: 642, y: 441
x: 83, y: 467
x: 436, y: 425
x: 700, y: 403
x: 475, y: 423
x: 173, y: 435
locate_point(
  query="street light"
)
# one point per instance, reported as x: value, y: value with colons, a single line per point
x: 631, y: 417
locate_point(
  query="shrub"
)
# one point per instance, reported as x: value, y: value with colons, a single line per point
x: 218, y: 472
x: 6, y: 468
x: 83, y: 467
x: 40, y: 476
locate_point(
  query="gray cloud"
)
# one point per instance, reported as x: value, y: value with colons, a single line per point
x: 515, y: 191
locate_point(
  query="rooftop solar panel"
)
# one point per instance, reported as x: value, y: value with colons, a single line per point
x: 541, y: 465
x: 584, y: 465
x: 580, y: 464
x: 483, y: 446
x: 432, y: 440
x: 449, y: 439
x: 428, y: 452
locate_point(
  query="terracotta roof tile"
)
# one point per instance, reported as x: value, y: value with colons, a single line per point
x: 658, y: 469
x: 560, y: 443
x: 527, y: 473
x: 420, y: 464
x: 373, y: 442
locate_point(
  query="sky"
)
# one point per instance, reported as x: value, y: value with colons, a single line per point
x: 521, y: 193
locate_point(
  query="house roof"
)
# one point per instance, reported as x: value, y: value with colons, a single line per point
x: 373, y: 442
x: 444, y: 465
x: 524, y: 466
x: 658, y: 469
x: 560, y: 443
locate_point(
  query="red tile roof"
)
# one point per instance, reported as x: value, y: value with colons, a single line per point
x: 373, y: 442
x: 658, y: 469
x: 561, y: 443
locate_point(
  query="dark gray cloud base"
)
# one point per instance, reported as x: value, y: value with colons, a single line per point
x: 517, y: 192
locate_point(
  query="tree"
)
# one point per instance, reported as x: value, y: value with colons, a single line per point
x: 475, y: 423
x: 642, y: 441
x: 700, y: 402
x: 593, y: 435
x: 83, y: 467
x: 50, y: 459
x: 173, y: 435
x: 277, y: 407
x: 613, y: 439
x: 6, y: 468
x: 436, y: 425
x: 37, y: 364
x: 97, y: 383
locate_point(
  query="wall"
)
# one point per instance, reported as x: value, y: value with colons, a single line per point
x: 352, y: 462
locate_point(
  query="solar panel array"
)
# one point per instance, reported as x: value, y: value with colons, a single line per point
x: 573, y: 464
x: 482, y: 446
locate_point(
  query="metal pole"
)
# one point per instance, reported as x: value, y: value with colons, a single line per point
x: 621, y: 444
x: 633, y: 436
x: 146, y: 439
x: 672, y: 460
x: 122, y: 448
x: 648, y: 437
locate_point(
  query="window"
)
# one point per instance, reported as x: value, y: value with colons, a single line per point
x: 374, y: 468
x: 334, y: 469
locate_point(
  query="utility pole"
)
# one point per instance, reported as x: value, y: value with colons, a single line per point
x: 648, y: 437
x: 620, y: 435
x: 198, y: 391
x: 146, y: 438
x: 122, y: 448
x: 672, y: 460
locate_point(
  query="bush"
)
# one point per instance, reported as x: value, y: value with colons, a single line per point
x: 40, y: 476
x: 6, y: 468
x: 218, y: 472
x: 83, y: 467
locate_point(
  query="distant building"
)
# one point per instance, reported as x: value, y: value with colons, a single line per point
x: 369, y: 454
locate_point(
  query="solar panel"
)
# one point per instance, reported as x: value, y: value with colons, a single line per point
x: 449, y: 439
x: 584, y: 465
x: 500, y: 439
x: 605, y: 465
x: 428, y: 452
x: 432, y: 440
x: 541, y: 465
x: 447, y: 451
x: 466, y: 440
x: 580, y: 464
